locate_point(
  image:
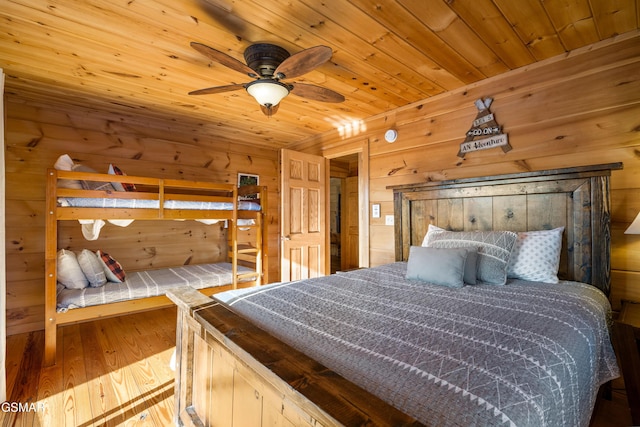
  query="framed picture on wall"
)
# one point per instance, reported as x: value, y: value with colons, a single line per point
x: 248, y: 179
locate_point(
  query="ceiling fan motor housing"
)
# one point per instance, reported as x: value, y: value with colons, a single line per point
x: 264, y: 58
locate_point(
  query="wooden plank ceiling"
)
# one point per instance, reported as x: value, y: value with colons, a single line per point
x: 133, y: 57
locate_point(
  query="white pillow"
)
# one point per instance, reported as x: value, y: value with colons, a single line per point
x: 432, y: 229
x: 92, y: 268
x: 536, y: 256
x: 69, y: 271
x: 65, y: 163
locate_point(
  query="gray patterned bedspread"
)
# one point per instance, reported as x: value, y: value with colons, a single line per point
x: 524, y: 354
x: 142, y: 284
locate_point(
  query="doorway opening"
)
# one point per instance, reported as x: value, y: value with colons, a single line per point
x: 344, y: 213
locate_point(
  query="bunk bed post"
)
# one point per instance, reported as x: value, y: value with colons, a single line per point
x: 161, y: 198
x: 259, y: 245
x: 51, y: 240
x: 264, y: 255
x: 234, y: 239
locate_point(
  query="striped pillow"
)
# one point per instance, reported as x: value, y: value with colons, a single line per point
x: 494, y: 249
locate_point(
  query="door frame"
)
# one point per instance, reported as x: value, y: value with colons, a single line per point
x: 362, y: 149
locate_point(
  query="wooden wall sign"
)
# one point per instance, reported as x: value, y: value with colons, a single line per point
x: 485, y: 131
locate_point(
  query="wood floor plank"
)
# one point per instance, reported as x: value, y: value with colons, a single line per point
x: 131, y: 406
x: 129, y: 339
x: 159, y: 346
x: 15, y: 349
x: 25, y: 388
x: 50, y: 389
x: 614, y: 412
x: 104, y: 402
x: 77, y: 405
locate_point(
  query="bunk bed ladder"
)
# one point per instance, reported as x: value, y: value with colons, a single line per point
x: 250, y: 252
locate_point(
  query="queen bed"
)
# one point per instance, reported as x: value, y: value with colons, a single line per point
x: 420, y: 341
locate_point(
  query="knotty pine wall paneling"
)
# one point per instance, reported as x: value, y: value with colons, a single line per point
x: 577, y: 109
x: 37, y: 134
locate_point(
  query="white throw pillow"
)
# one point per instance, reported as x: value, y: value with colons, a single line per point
x: 69, y: 271
x: 536, y: 256
x: 65, y: 163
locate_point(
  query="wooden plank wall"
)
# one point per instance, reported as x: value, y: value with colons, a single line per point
x: 36, y: 135
x: 577, y: 109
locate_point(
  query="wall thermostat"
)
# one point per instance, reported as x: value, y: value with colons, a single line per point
x: 391, y: 135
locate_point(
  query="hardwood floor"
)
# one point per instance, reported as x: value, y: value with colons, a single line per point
x: 614, y: 412
x: 115, y: 372
x: 110, y: 372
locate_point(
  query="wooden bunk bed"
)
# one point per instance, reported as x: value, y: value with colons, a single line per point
x: 153, y: 199
x: 233, y: 373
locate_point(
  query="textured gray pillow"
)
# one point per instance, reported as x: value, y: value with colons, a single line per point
x: 69, y: 271
x: 440, y: 266
x: 471, y: 266
x: 92, y: 268
x: 92, y: 185
x: 494, y: 250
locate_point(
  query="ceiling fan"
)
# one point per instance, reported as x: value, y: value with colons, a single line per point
x: 269, y: 64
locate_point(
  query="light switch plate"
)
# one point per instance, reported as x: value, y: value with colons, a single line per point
x: 388, y: 220
x: 375, y: 210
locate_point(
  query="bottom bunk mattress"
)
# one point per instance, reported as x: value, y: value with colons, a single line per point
x: 149, y: 283
x: 523, y: 354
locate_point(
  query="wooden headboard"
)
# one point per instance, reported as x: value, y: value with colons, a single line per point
x: 574, y: 198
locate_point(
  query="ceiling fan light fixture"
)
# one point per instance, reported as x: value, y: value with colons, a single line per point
x: 268, y: 64
x: 268, y: 92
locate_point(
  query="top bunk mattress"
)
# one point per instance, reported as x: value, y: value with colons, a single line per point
x: 95, y: 202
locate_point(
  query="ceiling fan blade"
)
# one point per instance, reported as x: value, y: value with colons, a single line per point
x: 217, y: 89
x: 223, y: 58
x: 303, y: 62
x: 269, y: 111
x: 316, y: 93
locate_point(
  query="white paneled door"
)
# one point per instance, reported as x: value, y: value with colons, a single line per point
x: 303, y: 222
